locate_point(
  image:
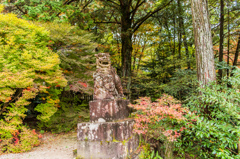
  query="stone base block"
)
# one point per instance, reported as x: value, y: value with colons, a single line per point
x: 105, y: 131
x: 108, y: 110
x: 107, y: 149
x: 106, y: 140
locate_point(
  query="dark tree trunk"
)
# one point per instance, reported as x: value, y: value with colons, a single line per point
x: 126, y: 37
x: 179, y: 32
x: 237, y: 52
x: 126, y: 54
x: 203, y: 42
x: 228, y: 45
x: 174, y: 41
x: 179, y: 43
x: 220, y: 72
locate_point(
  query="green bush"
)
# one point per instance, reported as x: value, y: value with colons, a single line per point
x: 75, y: 48
x: 182, y: 85
x: 72, y: 111
x: 214, y: 129
x: 27, y: 68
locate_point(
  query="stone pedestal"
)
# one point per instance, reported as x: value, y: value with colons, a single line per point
x: 108, y: 110
x: 109, y: 134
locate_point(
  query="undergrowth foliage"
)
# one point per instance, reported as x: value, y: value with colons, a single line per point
x: 215, y: 131
x: 27, y: 68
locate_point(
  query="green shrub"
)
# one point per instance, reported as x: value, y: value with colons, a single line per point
x: 72, y: 111
x: 75, y: 48
x: 182, y: 85
x: 214, y: 128
x: 27, y: 68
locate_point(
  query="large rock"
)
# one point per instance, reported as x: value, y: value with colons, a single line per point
x: 108, y: 110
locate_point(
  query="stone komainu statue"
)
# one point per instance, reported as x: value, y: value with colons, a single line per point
x: 107, y: 84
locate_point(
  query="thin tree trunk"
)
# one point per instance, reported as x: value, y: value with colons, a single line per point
x: 169, y: 35
x: 179, y: 44
x: 174, y: 40
x: 228, y: 44
x: 135, y: 53
x: 186, y: 48
x: 237, y: 52
x: 140, y: 57
x: 182, y: 29
x: 179, y: 32
x: 220, y: 72
x: 203, y: 42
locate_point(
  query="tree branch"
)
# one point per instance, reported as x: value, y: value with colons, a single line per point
x: 68, y: 2
x: 108, y: 22
x: 20, y: 9
x: 136, y: 8
x: 121, y: 2
x: 114, y: 4
x: 65, y: 3
x: 143, y: 19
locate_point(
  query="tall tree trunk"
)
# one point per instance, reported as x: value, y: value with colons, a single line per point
x: 186, y: 46
x: 203, y: 42
x: 140, y: 57
x: 228, y: 44
x: 169, y: 35
x: 179, y: 32
x: 183, y: 33
x: 179, y: 43
x: 174, y: 41
x: 220, y: 72
x: 126, y: 37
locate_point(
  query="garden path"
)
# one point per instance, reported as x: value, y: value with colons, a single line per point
x: 53, y: 146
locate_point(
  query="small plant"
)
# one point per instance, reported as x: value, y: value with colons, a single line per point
x: 41, y: 131
x: 148, y: 154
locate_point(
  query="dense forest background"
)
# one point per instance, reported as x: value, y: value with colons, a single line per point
x: 152, y: 47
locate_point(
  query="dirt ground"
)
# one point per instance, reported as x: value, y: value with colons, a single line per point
x: 53, y: 146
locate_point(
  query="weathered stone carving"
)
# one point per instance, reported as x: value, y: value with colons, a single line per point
x: 107, y: 84
x: 109, y: 134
